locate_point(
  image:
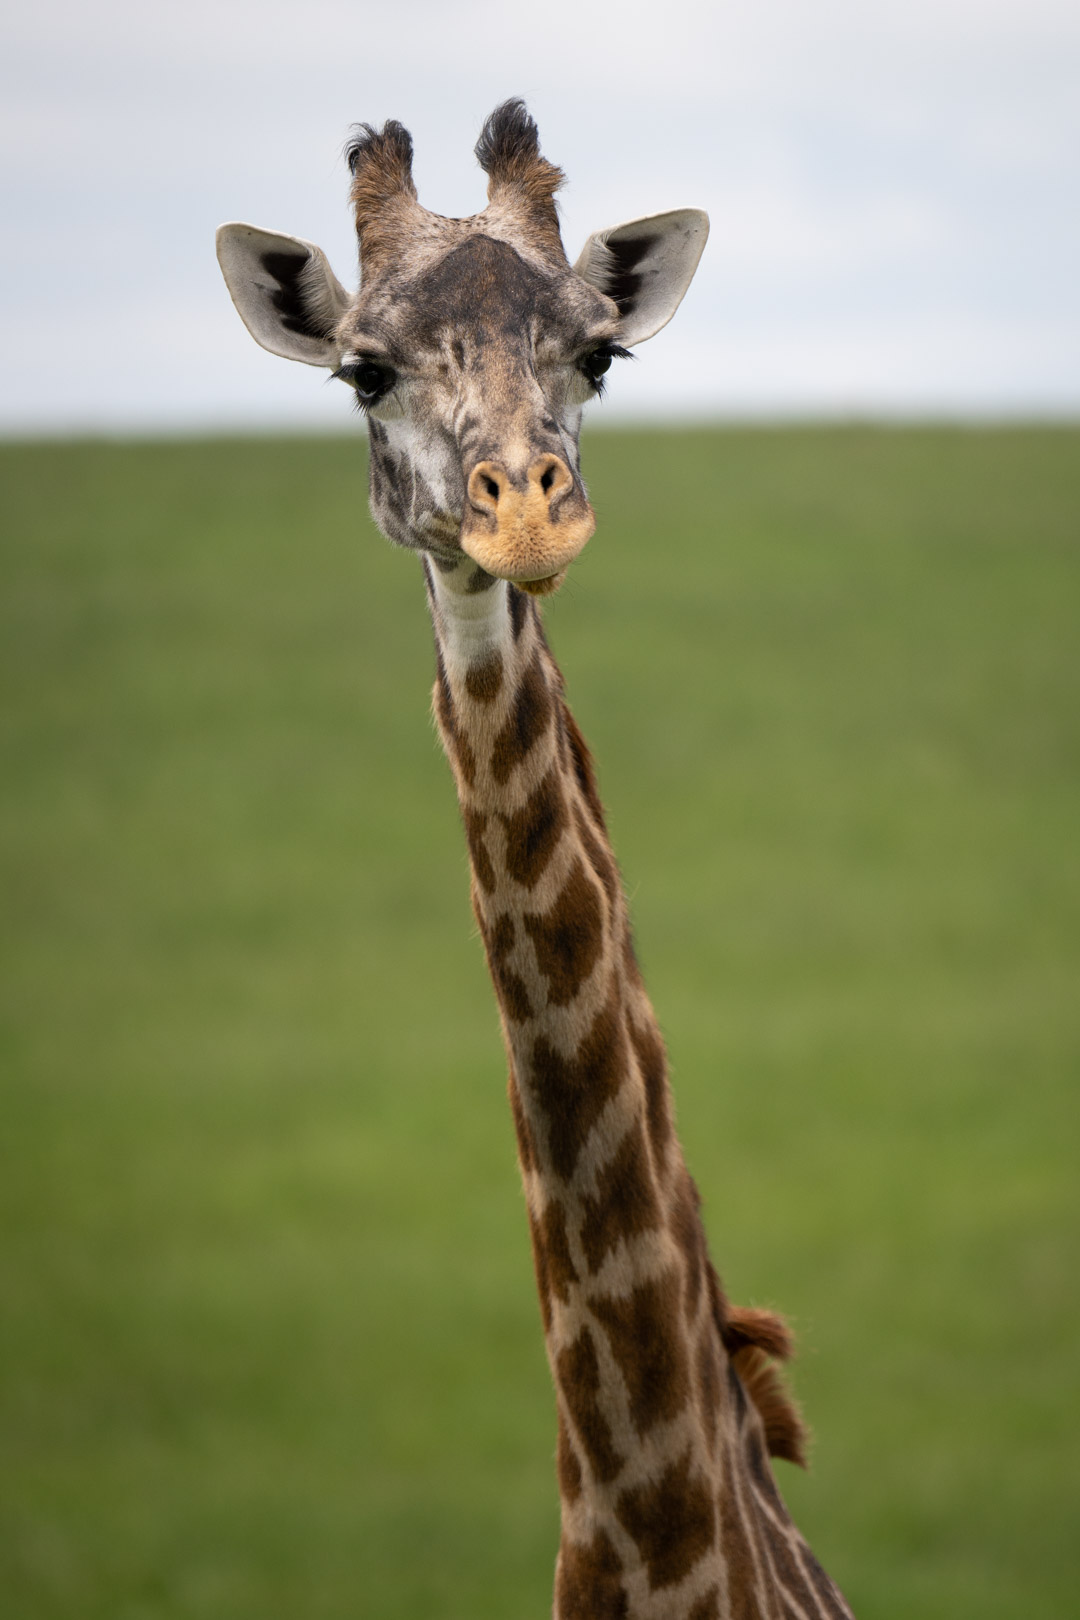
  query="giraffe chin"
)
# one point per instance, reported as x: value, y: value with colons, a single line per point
x: 542, y: 587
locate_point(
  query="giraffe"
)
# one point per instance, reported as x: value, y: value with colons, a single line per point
x: 471, y: 347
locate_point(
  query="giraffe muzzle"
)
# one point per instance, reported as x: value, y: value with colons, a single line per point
x: 527, y: 529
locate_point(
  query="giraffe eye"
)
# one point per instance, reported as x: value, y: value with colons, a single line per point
x: 370, y: 379
x: 598, y: 360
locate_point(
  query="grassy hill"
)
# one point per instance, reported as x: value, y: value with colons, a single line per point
x: 268, y: 1340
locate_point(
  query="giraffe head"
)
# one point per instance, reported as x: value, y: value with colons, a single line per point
x: 471, y: 344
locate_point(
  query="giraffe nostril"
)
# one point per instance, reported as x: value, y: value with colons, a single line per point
x: 547, y: 480
x: 492, y: 488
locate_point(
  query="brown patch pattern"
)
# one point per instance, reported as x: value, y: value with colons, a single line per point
x: 707, y: 1607
x: 708, y: 1371
x: 561, y: 1271
x: 588, y: 1581
x: 526, y: 1151
x: 483, y: 681
x: 743, y: 1586
x: 828, y: 1594
x: 578, y: 1372
x: 457, y: 746
x: 533, y: 832
x: 599, y: 858
x: 475, y: 827
x: 625, y: 1203
x: 672, y: 1522
x: 647, y: 1341
x: 529, y: 718
x: 582, y: 765
x: 769, y: 1590
x: 779, y: 1554
x: 757, y: 1461
x: 649, y: 1050
x: 688, y: 1233
x: 509, y: 986
x: 543, y: 1279
x: 574, y: 1091
x: 568, y: 938
x: 566, y: 1464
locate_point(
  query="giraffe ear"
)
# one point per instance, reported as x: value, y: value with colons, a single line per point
x: 285, y: 292
x: 646, y: 266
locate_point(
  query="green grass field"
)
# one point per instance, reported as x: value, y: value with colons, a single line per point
x: 269, y: 1346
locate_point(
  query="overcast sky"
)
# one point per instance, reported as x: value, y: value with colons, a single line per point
x: 893, y: 187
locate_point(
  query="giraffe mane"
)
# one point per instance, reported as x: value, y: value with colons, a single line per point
x: 756, y: 1341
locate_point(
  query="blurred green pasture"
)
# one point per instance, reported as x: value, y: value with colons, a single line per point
x: 268, y: 1340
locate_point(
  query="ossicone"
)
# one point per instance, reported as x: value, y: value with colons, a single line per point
x: 380, y: 162
x: 509, y: 153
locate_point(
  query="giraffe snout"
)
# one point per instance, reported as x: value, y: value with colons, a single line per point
x: 527, y: 527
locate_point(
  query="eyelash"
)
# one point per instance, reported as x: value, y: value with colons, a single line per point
x: 381, y: 379
x: 606, y: 352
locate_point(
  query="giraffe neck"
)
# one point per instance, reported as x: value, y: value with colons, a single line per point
x: 669, y: 1510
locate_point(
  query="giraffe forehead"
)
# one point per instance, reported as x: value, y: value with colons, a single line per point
x: 482, y: 294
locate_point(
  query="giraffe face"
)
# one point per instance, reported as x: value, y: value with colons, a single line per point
x: 471, y: 345
x: 472, y: 373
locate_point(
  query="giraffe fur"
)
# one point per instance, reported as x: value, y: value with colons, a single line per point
x: 472, y: 346
x: 669, y: 1401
